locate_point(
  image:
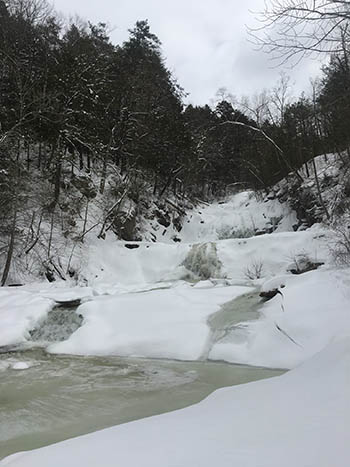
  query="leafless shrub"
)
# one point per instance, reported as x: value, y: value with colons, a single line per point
x: 340, y: 248
x: 303, y: 262
x: 254, y: 270
x: 227, y: 232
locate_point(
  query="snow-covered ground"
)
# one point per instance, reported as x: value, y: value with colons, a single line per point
x: 313, y: 311
x: 298, y: 419
x: 138, y: 303
x: 168, y: 323
x: 155, y: 300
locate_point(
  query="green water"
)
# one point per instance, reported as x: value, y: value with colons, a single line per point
x: 60, y: 397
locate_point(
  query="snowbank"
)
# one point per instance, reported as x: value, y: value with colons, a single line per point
x: 169, y: 323
x: 109, y: 262
x: 298, y: 419
x: 19, y: 312
x: 274, y: 252
x: 313, y: 310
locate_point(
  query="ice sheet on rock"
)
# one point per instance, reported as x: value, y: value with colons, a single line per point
x: 169, y: 323
x: 298, y: 419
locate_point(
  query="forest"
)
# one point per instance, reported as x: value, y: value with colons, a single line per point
x: 78, y: 112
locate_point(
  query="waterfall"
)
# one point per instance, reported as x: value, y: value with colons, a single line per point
x: 202, y: 261
x: 59, y: 325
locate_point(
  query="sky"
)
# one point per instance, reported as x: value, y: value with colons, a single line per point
x: 205, y: 42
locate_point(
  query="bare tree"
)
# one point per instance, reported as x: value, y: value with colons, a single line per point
x: 257, y: 107
x: 293, y: 29
x: 33, y: 11
x: 280, y: 97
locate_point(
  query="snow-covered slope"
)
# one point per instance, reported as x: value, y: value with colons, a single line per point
x: 313, y: 311
x: 240, y: 215
x: 127, y: 314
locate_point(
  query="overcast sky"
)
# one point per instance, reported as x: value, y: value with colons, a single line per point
x: 205, y: 42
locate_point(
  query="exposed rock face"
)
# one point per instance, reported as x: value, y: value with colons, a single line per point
x: 85, y: 186
x: 304, y: 265
x: 131, y: 246
x: 125, y: 222
x: 162, y: 217
x: 270, y: 294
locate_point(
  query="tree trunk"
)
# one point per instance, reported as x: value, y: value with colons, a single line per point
x: 103, y: 175
x: 39, y: 154
x: 10, y: 250
x: 81, y: 160
x: 58, y: 173
x: 319, y: 190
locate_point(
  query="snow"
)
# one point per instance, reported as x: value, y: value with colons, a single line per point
x: 109, y: 263
x: 20, y: 366
x: 137, y: 303
x: 273, y: 251
x: 298, y: 419
x: 169, y: 323
x: 19, y: 311
x: 313, y: 311
x: 238, y: 216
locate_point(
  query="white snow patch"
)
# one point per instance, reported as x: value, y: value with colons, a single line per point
x: 20, y: 366
x: 109, y: 263
x: 19, y: 312
x: 169, y: 323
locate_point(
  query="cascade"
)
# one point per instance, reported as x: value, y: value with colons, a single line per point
x: 59, y: 325
x: 202, y: 261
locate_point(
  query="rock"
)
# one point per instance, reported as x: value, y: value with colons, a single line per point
x: 124, y: 225
x: 163, y: 218
x: 177, y: 222
x: 305, y: 266
x: 260, y: 232
x: 68, y: 303
x: 269, y: 294
x: 131, y: 246
x: 85, y: 185
x: 272, y: 287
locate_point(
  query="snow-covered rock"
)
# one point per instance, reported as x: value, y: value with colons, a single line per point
x: 168, y: 323
x: 313, y: 311
x: 19, y: 312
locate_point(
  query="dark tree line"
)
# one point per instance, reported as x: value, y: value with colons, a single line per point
x: 73, y: 103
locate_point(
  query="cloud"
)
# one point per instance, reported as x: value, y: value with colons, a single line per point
x: 204, y: 41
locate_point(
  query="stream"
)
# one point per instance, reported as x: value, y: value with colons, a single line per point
x: 46, y: 398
